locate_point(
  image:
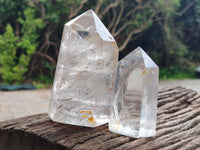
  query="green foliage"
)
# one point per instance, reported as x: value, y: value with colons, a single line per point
x: 49, y: 66
x: 10, y: 10
x: 30, y: 25
x: 170, y: 28
x: 16, y: 53
x: 176, y: 73
x: 47, y: 77
x: 44, y: 79
x: 8, y: 49
x: 41, y: 85
x: 28, y: 43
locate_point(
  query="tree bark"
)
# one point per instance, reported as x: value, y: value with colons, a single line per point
x: 178, y: 127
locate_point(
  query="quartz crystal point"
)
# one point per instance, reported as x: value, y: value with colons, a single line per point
x: 134, y: 107
x: 85, y: 73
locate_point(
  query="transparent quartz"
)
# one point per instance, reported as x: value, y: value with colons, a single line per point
x: 134, y: 107
x: 85, y: 73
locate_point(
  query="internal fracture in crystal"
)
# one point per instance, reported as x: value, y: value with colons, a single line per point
x: 85, y: 73
x: 134, y: 107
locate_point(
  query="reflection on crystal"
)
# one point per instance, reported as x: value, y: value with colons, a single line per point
x: 134, y: 107
x: 85, y: 73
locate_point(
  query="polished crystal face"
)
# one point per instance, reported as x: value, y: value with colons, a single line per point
x: 85, y: 73
x: 134, y: 107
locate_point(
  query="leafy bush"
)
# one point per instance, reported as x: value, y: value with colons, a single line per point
x: 16, y: 52
x: 8, y: 49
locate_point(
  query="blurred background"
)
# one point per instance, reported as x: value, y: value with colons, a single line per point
x: 31, y: 30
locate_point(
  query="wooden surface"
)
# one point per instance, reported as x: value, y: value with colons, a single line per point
x: 178, y: 127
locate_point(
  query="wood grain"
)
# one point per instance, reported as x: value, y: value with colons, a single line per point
x: 178, y: 127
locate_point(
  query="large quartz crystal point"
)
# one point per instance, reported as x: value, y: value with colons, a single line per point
x: 85, y: 73
x: 134, y: 107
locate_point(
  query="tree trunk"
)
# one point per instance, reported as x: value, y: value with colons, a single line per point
x: 178, y: 127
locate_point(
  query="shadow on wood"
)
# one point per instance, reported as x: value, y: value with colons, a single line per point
x: 178, y: 126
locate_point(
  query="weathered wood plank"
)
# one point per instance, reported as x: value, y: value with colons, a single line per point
x: 178, y: 127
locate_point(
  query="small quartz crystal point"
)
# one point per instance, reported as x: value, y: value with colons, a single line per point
x: 85, y: 73
x: 134, y: 107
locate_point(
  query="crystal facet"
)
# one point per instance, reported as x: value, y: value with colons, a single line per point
x: 85, y: 73
x: 134, y: 107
